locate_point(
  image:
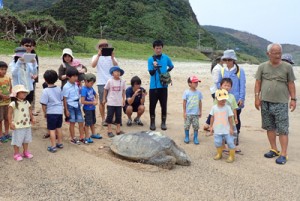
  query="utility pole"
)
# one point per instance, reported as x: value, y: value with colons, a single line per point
x: 102, y: 27
x: 199, y: 41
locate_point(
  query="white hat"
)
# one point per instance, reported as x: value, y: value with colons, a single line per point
x: 229, y: 54
x: 18, y: 88
x: 67, y: 51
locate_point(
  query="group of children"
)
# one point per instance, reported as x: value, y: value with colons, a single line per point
x: 223, y: 116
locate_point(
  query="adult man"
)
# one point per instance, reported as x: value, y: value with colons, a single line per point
x: 103, y: 63
x: 135, y: 99
x: 158, y: 64
x: 274, y: 84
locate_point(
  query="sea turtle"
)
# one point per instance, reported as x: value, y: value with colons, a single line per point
x: 151, y: 148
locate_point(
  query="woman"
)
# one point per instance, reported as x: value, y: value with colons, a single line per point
x: 237, y: 75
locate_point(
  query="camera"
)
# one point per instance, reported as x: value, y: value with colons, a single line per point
x: 157, y: 66
x: 142, y: 91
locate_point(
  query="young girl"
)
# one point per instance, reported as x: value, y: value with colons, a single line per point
x: 70, y: 62
x: 115, y: 92
x: 20, y: 119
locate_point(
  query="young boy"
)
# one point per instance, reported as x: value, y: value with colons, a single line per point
x: 115, y: 94
x: 72, y: 105
x: 89, y: 99
x: 5, y: 91
x: 192, y: 108
x: 52, y: 106
x: 222, y: 125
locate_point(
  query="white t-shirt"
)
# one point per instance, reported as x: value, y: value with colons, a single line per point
x: 221, y: 123
x: 103, y: 66
x: 115, y: 88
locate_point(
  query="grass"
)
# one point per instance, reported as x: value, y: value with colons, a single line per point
x: 85, y: 48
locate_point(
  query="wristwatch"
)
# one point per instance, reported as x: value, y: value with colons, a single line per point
x: 293, y: 99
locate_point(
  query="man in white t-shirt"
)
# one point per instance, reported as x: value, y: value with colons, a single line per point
x: 103, y: 64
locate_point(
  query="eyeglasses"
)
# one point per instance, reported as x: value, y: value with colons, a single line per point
x: 28, y: 45
x: 227, y: 60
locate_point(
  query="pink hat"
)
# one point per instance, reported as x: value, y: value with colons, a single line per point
x: 193, y: 79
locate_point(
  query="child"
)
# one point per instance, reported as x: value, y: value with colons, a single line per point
x: 192, y: 108
x: 89, y: 99
x: 72, y: 105
x: 52, y: 106
x: 115, y: 94
x: 5, y: 91
x: 68, y: 62
x: 20, y: 119
x: 222, y: 125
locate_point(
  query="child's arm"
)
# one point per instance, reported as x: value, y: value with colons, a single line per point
x: 230, y: 124
x: 212, y: 119
x: 104, y: 96
x: 66, y: 107
x: 124, y: 97
x: 235, y: 116
x: 184, y: 109
x: 31, y: 116
x: 96, y: 99
x: 44, y: 108
x: 9, y: 116
x: 200, y: 109
x: 84, y: 102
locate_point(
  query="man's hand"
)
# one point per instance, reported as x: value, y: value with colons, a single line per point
x: 292, y: 105
x: 257, y: 103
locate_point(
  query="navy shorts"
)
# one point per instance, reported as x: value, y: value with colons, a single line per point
x: 114, y: 111
x: 89, y: 117
x: 54, y: 121
x: 135, y: 108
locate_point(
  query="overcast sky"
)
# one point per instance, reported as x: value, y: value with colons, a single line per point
x: 274, y: 20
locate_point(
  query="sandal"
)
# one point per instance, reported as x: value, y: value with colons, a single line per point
x: 272, y: 153
x: 281, y: 160
x: 18, y: 157
x: 52, y: 149
x: 119, y: 133
x: 110, y: 134
x: 60, y: 146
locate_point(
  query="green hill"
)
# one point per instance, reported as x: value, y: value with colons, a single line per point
x: 33, y: 5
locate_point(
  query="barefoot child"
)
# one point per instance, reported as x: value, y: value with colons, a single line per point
x: 222, y: 125
x: 52, y: 106
x: 72, y: 105
x: 20, y: 119
x: 5, y: 90
x: 115, y: 94
x: 192, y: 108
x: 89, y: 99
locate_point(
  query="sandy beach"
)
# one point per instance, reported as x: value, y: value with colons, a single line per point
x: 92, y: 172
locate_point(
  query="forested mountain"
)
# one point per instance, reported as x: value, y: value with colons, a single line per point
x: 137, y: 20
x: 248, y: 43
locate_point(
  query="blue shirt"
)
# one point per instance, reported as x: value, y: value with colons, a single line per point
x: 71, y: 93
x: 137, y: 99
x: 165, y: 62
x: 193, y: 99
x: 238, y: 83
x: 89, y: 96
x: 52, y: 98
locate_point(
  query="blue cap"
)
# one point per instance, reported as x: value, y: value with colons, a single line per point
x: 116, y: 68
x: 288, y: 58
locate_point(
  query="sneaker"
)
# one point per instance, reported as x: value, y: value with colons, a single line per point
x: 60, y: 146
x: 110, y: 134
x: 3, y: 139
x: 27, y: 154
x: 8, y: 136
x: 18, y: 157
x: 52, y: 149
x: 281, y: 160
x: 89, y: 140
x: 96, y: 136
x: 129, y: 122
x: 75, y: 141
x: 272, y: 153
x: 84, y: 141
x: 138, y: 122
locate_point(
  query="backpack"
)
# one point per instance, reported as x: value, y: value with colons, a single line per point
x: 223, y: 69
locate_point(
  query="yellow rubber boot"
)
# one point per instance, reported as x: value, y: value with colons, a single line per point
x: 231, y: 157
x: 219, y: 153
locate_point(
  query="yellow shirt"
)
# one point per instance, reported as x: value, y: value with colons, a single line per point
x: 21, y: 115
x: 5, y: 89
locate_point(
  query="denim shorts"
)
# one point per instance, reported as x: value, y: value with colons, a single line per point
x: 218, y: 138
x: 275, y: 117
x: 54, y: 121
x: 89, y: 117
x: 75, y: 114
